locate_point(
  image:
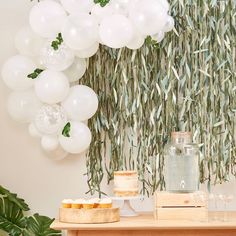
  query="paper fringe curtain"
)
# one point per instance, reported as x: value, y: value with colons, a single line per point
x: 188, y: 83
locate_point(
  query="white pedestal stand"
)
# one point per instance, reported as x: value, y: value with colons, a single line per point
x: 127, y: 210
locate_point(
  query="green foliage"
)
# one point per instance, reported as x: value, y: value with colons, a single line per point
x: 56, y: 43
x: 187, y: 83
x: 102, y: 3
x: 15, y: 223
x: 35, y: 74
x: 66, y: 130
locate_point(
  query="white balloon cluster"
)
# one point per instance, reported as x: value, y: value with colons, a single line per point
x: 53, y: 53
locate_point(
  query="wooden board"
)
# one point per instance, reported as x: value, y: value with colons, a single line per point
x: 181, y: 213
x: 89, y: 216
x: 179, y: 199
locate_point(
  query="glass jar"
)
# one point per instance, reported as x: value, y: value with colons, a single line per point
x: 181, y: 163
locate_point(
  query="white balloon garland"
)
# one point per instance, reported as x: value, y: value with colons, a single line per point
x: 53, y: 51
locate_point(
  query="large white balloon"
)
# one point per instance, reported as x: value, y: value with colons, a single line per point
x: 15, y: 72
x: 33, y: 131
x: 59, y: 59
x: 80, y: 31
x: 149, y: 16
x: 27, y: 42
x: 77, y: 70
x: 159, y: 36
x: 49, y: 143
x: 50, y: 119
x: 79, y: 140
x: 46, y: 18
x: 88, y: 52
x: 51, y: 86
x: 23, y: 105
x: 81, y: 103
x: 116, y: 31
x: 77, y: 6
x: 170, y: 24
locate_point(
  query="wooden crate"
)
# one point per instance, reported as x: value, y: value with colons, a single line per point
x: 180, y: 206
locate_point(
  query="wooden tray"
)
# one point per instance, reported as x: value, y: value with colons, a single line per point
x: 89, y: 216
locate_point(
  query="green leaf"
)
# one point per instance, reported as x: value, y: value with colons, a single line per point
x: 13, y: 198
x: 56, y: 43
x: 102, y: 3
x: 12, y: 219
x: 66, y: 130
x: 40, y: 226
x: 35, y: 74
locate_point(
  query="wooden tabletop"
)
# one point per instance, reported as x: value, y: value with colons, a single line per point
x: 146, y: 221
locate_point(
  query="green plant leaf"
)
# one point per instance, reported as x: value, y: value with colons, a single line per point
x: 102, y: 3
x: 13, y: 198
x: 57, y: 42
x: 35, y: 74
x: 12, y: 219
x: 66, y: 130
x: 40, y: 226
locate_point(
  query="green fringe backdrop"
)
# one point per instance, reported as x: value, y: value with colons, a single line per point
x: 187, y: 82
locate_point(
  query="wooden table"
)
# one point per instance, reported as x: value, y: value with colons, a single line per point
x: 145, y: 225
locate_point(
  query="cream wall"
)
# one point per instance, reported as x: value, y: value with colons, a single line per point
x: 24, y: 168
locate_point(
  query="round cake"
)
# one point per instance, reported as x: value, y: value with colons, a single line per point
x: 126, y: 183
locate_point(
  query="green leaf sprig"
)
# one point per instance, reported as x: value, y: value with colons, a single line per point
x: 35, y: 74
x: 151, y: 42
x: 102, y: 3
x: 66, y: 130
x: 56, y: 43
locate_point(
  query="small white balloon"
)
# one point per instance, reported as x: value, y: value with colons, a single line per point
x: 57, y: 155
x: 59, y: 59
x: 137, y: 42
x: 170, y: 24
x: 149, y: 16
x: 49, y: 143
x: 33, y: 131
x: 51, y: 86
x: 46, y: 18
x: 78, y: 6
x: 120, y: 6
x: 88, y: 52
x: 23, y: 105
x: 15, y: 71
x: 77, y: 70
x: 101, y: 12
x: 80, y: 31
x: 50, y: 119
x: 159, y: 36
x: 27, y: 42
x: 79, y: 140
x: 81, y: 103
x: 116, y: 31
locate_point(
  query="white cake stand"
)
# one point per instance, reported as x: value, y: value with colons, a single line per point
x: 127, y: 210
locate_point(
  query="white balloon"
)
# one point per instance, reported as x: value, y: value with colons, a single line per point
x: 46, y: 18
x: 59, y: 59
x: 51, y: 86
x: 77, y: 70
x: 170, y: 24
x: 79, y: 140
x: 50, y: 119
x: 81, y: 103
x: 33, y: 131
x: 159, y: 36
x: 49, y: 142
x: 77, y: 6
x: 88, y: 52
x: 165, y: 4
x: 80, y: 31
x: 101, y: 12
x: 148, y: 16
x: 23, y: 105
x: 27, y: 42
x: 15, y: 72
x: 137, y: 42
x: 116, y: 31
x: 57, y: 155
x: 120, y: 6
